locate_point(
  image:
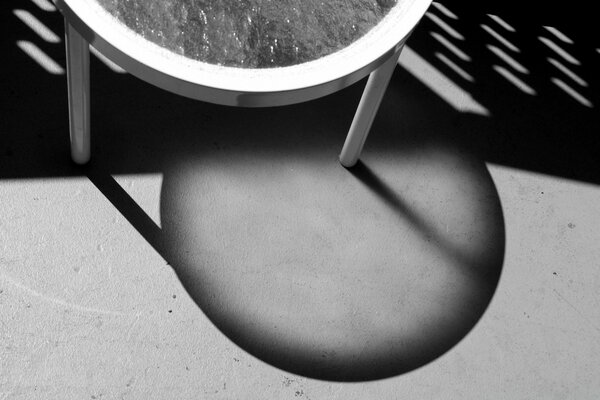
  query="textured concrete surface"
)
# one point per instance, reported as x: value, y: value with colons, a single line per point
x: 214, y: 252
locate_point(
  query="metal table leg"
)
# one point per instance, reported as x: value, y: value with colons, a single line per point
x: 367, y: 109
x: 78, y: 78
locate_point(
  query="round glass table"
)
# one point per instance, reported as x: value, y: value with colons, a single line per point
x: 249, y: 53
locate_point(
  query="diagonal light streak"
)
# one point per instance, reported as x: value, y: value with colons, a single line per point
x: 561, y: 36
x: 449, y: 30
x: 446, y: 43
x: 502, y: 23
x: 508, y: 59
x: 106, y: 61
x: 43, y: 59
x: 444, y: 10
x: 567, y: 72
x: 464, y: 74
x: 37, y: 26
x: 500, y: 38
x: 441, y: 85
x: 44, y: 5
x: 558, y: 50
x: 518, y: 83
x: 572, y: 92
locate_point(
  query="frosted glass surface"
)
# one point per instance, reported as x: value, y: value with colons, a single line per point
x: 250, y: 33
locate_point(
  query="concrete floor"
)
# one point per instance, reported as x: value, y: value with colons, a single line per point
x: 215, y: 252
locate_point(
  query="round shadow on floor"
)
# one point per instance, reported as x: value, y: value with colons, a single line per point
x: 333, y: 273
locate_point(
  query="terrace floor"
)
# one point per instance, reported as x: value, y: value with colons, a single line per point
x: 218, y: 252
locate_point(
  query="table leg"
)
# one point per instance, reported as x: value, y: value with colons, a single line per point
x: 367, y: 109
x: 78, y: 79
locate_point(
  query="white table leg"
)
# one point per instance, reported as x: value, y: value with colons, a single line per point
x: 78, y: 79
x: 367, y: 109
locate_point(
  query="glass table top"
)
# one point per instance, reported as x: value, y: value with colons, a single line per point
x: 250, y: 33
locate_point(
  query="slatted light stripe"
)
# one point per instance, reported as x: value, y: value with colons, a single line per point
x: 38, y: 55
x: 509, y: 76
x: 447, y: 28
x: 464, y: 74
x: 500, y: 38
x: 558, y: 50
x: 572, y: 92
x: 106, y: 61
x: 508, y: 59
x: 567, y: 72
x: 458, y: 52
x: 44, y: 5
x: 502, y: 22
x: 561, y: 36
x: 37, y: 26
x: 444, y: 10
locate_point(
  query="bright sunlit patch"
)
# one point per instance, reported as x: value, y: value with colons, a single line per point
x: 508, y: 59
x: 567, y: 72
x: 464, y: 74
x: 446, y: 43
x: 518, y: 83
x: 449, y: 30
x: 37, y: 26
x: 44, y: 5
x: 441, y: 85
x: 561, y: 36
x: 444, y: 10
x: 502, y: 23
x: 558, y: 50
x: 500, y: 38
x: 43, y: 59
x: 111, y: 65
x: 571, y: 92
